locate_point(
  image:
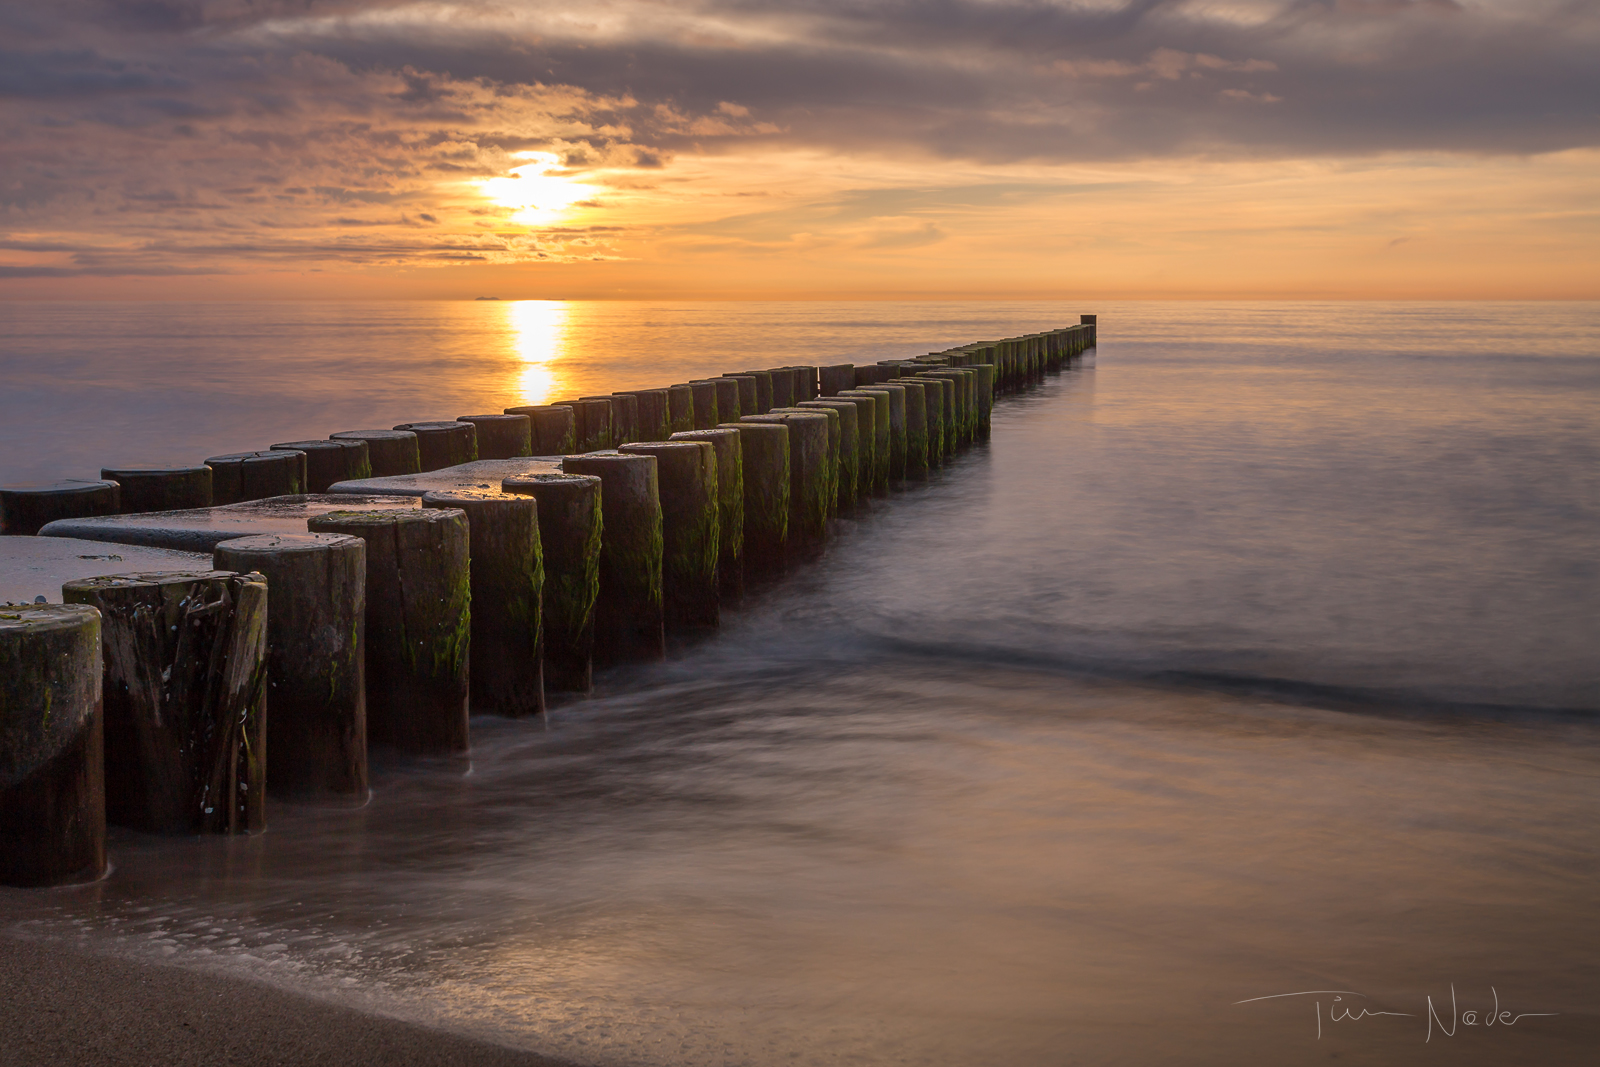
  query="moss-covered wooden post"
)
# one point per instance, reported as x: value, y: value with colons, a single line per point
x: 624, y: 417
x: 419, y: 624
x: 570, y: 534
x: 746, y: 386
x: 880, y: 436
x: 961, y: 415
x: 764, y: 455
x: 691, y: 538
x: 809, y: 484
x: 866, y: 441
x: 161, y: 488
x: 835, y: 434
x: 593, y: 421
x: 316, y: 667
x: 653, y: 417
x: 807, y: 377
x: 26, y: 508
x: 52, y: 757
x: 916, y: 403
x: 834, y: 380
x: 552, y: 428
x: 730, y: 507
x: 507, y: 670
x: 245, y: 476
x: 185, y: 684
x: 389, y: 452
x: 444, y: 444
x: 680, y: 408
x: 896, y: 394
x: 764, y: 398
x: 704, y: 394
x: 507, y: 436
x: 330, y: 461
x: 873, y: 374
x: 628, y: 621
x: 983, y: 399
x: 849, y: 462
x: 935, y: 396
x: 728, y: 407
x: 783, y: 388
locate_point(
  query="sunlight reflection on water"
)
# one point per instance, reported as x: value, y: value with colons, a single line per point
x: 539, y: 332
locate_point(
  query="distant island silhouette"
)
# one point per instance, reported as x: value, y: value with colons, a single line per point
x: 488, y: 298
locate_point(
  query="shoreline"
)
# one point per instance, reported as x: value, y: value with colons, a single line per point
x: 67, y: 1006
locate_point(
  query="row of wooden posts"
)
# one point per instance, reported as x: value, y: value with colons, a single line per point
x: 528, y: 546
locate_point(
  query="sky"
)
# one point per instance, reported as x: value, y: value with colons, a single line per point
x: 970, y: 149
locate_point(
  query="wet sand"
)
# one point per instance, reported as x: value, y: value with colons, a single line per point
x: 60, y: 1005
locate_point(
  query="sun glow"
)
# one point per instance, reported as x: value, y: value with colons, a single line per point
x: 535, y: 194
x: 539, y: 329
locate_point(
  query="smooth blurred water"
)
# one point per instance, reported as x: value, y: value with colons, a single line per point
x: 1255, y: 654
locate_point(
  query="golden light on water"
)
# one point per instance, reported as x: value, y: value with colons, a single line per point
x: 535, y: 195
x: 539, y: 338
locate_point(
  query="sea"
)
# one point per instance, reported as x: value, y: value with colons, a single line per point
x: 1234, y: 703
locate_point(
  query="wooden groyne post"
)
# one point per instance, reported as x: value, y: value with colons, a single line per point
x: 570, y: 532
x: 507, y: 581
x: 316, y: 659
x: 419, y: 624
x: 629, y: 621
x: 185, y: 697
x: 52, y: 751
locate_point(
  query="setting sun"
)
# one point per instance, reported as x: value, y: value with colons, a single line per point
x: 533, y: 192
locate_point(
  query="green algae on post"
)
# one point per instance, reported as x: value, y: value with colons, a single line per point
x: 691, y: 539
x: 680, y: 408
x: 916, y: 401
x: 629, y: 624
x: 809, y: 483
x: 848, y: 468
x: 419, y: 620
x: 653, y: 416
x: 704, y: 394
x: 570, y: 535
x: 835, y: 447
x: 764, y: 454
x: 730, y: 506
x: 507, y: 578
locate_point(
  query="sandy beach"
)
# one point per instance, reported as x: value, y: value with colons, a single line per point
x: 69, y: 1007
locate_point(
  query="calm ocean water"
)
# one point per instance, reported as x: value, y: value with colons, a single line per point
x: 1256, y: 654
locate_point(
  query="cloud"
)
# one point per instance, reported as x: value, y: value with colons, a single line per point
x: 156, y: 120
